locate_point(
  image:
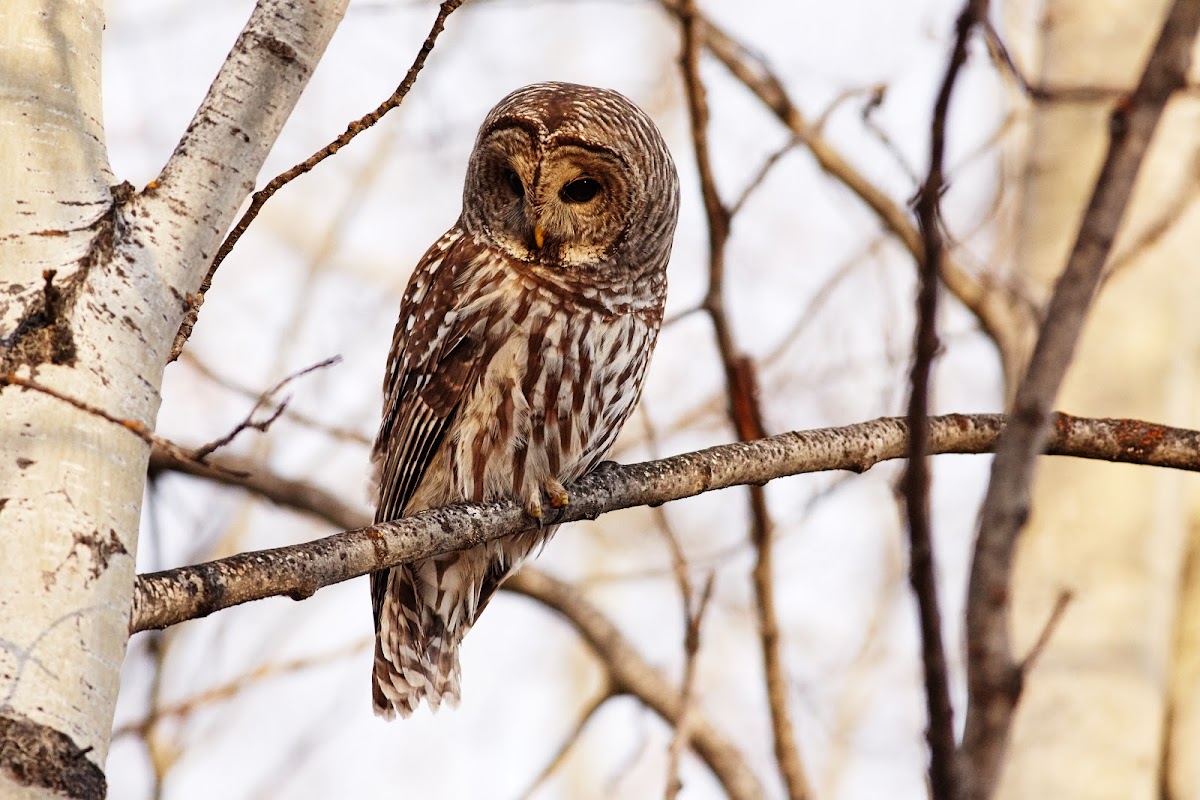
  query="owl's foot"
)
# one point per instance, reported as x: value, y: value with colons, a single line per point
x: 554, y: 493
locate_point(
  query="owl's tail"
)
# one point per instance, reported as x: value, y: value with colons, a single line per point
x: 427, y: 609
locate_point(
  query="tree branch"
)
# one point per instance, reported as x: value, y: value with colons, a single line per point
x: 943, y: 777
x: 994, y: 675
x: 214, y: 166
x: 1006, y: 318
x: 636, y: 677
x: 745, y: 414
x: 247, y: 474
x: 261, y: 197
x: 173, y: 596
x: 630, y: 674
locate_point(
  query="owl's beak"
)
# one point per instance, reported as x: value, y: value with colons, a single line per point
x: 539, y: 236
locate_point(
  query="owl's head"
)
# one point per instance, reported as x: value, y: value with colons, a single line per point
x: 573, y: 178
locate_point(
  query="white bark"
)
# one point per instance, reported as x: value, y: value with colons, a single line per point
x: 1091, y: 717
x: 71, y: 483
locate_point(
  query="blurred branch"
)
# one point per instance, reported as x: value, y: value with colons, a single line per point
x: 605, y: 694
x: 687, y: 702
x: 994, y: 675
x: 259, y: 199
x: 1005, y: 317
x: 227, y: 691
x: 691, y: 621
x: 1056, y: 614
x: 251, y: 476
x: 943, y: 777
x: 630, y: 674
x: 741, y: 385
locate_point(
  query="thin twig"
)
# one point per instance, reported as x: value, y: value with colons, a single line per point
x: 229, y: 690
x: 1039, y: 646
x: 1081, y: 93
x: 874, y: 102
x: 260, y: 197
x: 263, y: 424
x: 1006, y: 319
x: 994, y: 675
x: 744, y: 411
x: 299, y: 417
x: 943, y: 777
x: 252, y: 476
x: 761, y: 175
x: 631, y: 675
x: 589, y: 710
x: 683, y: 726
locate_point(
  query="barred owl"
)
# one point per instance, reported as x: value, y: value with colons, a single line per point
x: 523, y: 340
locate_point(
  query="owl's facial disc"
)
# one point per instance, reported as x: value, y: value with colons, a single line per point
x: 563, y: 204
x: 579, y: 205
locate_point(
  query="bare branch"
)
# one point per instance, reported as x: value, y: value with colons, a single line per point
x: 333, y: 431
x: 760, y: 176
x: 589, y: 710
x: 167, y: 598
x: 631, y: 675
x: 279, y: 181
x: 993, y: 672
x: 1004, y: 317
x: 943, y: 777
x: 249, y: 475
x: 1056, y: 615
x: 216, y: 161
x: 228, y: 691
x: 263, y: 424
x: 741, y: 386
x: 639, y: 679
x: 691, y: 646
x: 222, y: 584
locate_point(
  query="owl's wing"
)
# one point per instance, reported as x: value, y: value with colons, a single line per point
x: 433, y: 364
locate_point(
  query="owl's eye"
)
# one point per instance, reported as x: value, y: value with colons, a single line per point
x: 514, y: 183
x: 580, y: 191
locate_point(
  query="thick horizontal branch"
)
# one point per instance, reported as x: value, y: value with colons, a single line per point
x: 167, y: 598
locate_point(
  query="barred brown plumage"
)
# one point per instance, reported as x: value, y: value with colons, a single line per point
x: 522, y: 343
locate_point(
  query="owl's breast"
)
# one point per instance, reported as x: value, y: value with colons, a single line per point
x: 559, y: 381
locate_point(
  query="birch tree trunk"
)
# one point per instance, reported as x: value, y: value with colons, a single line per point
x: 1091, y: 719
x: 94, y: 278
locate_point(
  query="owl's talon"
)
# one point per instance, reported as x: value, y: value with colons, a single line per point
x: 533, y: 508
x: 557, y: 494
